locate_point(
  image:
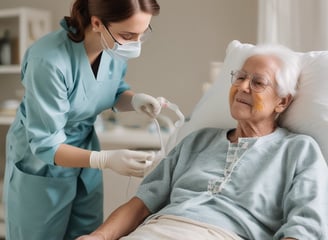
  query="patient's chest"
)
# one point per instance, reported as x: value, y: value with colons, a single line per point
x: 211, y: 169
x: 234, y: 170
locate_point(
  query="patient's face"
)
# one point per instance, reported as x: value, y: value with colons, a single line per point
x: 257, y: 107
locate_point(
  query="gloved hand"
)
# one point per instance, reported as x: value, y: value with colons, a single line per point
x: 125, y: 162
x: 147, y: 104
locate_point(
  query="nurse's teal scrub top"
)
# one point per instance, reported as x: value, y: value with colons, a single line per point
x: 61, y: 102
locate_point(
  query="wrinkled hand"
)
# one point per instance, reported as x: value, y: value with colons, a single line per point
x: 125, y: 162
x: 147, y: 104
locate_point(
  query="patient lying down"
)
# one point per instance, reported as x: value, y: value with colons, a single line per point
x: 256, y: 181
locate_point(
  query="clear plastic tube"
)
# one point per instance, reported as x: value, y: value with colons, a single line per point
x: 159, y: 155
x: 166, y: 104
x: 158, y: 128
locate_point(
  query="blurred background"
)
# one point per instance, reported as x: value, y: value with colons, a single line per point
x: 187, y: 36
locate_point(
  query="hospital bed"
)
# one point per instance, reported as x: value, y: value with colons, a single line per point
x: 307, y: 114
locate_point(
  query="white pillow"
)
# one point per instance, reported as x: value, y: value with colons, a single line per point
x: 307, y: 114
x: 213, y: 108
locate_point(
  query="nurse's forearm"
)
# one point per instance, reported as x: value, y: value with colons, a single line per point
x: 124, y: 102
x: 70, y: 156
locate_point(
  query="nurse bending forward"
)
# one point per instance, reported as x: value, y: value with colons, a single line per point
x: 53, y: 185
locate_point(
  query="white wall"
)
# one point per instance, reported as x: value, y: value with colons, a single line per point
x: 188, y: 34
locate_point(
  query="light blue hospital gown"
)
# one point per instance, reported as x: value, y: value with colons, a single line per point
x: 260, y: 188
x: 62, y: 100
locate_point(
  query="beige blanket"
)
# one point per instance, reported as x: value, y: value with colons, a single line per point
x: 170, y: 227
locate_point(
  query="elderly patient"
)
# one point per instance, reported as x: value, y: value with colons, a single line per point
x: 257, y: 181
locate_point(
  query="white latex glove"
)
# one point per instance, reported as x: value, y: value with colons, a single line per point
x: 147, y: 104
x: 125, y: 162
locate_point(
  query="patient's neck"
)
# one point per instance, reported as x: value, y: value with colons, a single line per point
x: 248, y: 132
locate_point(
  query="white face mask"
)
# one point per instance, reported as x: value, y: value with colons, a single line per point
x: 125, y: 51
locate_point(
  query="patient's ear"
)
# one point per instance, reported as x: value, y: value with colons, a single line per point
x: 284, y: 103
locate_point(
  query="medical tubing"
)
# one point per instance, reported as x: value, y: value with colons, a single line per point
x: 175, y: 108
x: 127, y: 189
x: 167, y: 104
x: 161, y: 151
x: 157, y: 155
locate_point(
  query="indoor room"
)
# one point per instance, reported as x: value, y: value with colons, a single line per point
x: 181, y: 61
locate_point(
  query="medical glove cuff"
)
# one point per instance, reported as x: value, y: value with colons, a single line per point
x: 98, y: 160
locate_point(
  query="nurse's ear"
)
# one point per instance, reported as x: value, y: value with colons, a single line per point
x: 96, y: 24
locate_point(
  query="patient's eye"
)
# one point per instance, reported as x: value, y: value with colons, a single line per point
x: 241, y: 76
x: 238, y: 76
x: 259, y: 83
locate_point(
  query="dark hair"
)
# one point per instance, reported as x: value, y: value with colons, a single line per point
x: 107, y: 10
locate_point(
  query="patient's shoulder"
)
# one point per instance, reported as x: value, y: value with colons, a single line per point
x: 204, y: 137
x: 297, y: 138
x: 205, y: 132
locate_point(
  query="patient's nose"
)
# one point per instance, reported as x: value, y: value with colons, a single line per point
x: 245, y: 84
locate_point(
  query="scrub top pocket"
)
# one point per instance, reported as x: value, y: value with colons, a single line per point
x: 46, y: 201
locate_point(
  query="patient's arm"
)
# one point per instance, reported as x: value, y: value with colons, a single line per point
x: 123, y: 220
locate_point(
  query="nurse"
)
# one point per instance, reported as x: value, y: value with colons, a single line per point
x: 53, y: 182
